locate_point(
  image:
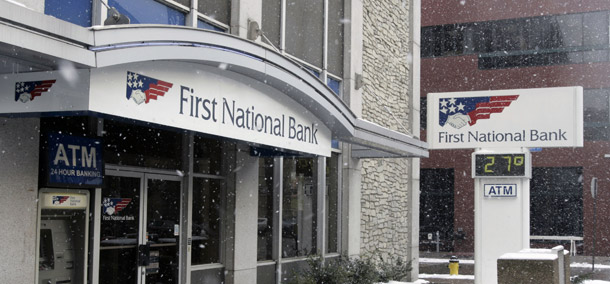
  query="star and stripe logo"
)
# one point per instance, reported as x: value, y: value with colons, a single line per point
x: 142, y: 89
x: 59, y: 199
x: 459, y: 112
x: 29, y: 90
x: 114, y: 205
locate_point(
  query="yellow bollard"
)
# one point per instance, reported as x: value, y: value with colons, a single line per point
x: 454, y: 266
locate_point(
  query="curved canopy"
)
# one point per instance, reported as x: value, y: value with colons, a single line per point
x: 45, y: 43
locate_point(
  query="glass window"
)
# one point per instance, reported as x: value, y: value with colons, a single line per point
x: 132, y: 145
x: 208, y: 156
x: 299, y: 207
x: 265, y: 209
x: 595, y: 28
x: 186, y: 3
x: 305, y: 30
x: 206, y: 26
x: 74, y: 11
x: 556, y: 202
x: 596, y: 106
x: 335, y: 37
x: 271, y: 22
x: 334, y: 85
x: 206, y: 221
x: 148, y: 12
x: 332, y: 203
x: 218, y: 10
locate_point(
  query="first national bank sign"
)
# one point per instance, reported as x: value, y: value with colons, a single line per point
x: 547, y: 117
x: 184, y: 95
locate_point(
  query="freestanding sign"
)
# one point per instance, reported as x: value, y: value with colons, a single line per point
x: 502, y: 125
x: 549, y: 117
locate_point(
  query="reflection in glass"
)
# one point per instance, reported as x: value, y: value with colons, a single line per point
x: 332, y: 203
x: 265, y: 209
x: 208, y: 156
x: 299, y: 207
x: 119, y: 230
x: 163, y: 219
x: 148, y: 12
x: 206, y: 221
x: 132, y: 145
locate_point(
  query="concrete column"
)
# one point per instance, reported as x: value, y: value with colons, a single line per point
x: 242, y: 12
x: 19, y: 142
x: 414, y: 98
x: 242, y: 250
x: 351, y: 183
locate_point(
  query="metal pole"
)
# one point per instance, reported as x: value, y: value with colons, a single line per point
x: 438, y: 241
x: 594, y: 230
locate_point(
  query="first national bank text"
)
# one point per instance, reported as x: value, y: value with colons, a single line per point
x: 533, y: 135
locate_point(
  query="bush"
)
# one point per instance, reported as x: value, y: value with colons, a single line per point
x: 362, y: 270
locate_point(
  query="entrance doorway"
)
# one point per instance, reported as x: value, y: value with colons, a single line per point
x: 140, y: 228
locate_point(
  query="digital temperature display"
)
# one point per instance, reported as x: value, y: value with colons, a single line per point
x: 500, y: 165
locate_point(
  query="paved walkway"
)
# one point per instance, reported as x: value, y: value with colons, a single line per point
x: 433, y: 268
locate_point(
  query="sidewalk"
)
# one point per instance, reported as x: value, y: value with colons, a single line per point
x: 433, y: 268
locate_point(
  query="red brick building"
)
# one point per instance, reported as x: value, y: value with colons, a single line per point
x: 492, y: 45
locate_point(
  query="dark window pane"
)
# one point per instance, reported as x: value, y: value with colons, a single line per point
x: 186, y: 3
x: 132, y: 145
x: 74, y: 11
x: 265, y: 209
x: 595, y: 29
x: 299, y: 207
x: 272, y: 20
x: 334, y: 85
x: 305, y: 30
x: 206, y: 221
x: 570, y: 29
x: 596, y: 106
x: 335, y: 37
x: 219, y: 10
x: 148, y: 12
x: 436, y: 209
x: 556, y: 202
x: 332, y: 203
x: 206, y: 26
x: 208, y: 156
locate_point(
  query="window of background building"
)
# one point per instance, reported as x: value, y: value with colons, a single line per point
x: 556, y: 202
x: 299, y: 207
x: 535, y: 41
x: 436, y: 208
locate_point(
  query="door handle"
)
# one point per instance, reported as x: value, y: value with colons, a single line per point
x: 144, y: 254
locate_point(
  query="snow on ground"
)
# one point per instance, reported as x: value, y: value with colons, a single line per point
x: 441, y: 260
x: 589, y: 265
x: 446, y: 276
x: 596, y: 282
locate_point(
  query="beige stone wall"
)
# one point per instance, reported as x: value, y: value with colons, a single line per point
x: 386, y: 182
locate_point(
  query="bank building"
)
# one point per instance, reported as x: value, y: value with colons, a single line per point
x: 196, y: 141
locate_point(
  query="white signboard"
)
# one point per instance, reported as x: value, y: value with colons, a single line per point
x: 549, y: 117
x: 184, y: 95
x: 44, y: 91
x: 64, y: 201
x: 500, y: 190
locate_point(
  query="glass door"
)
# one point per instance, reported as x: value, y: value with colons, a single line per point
x: 162, y: 230
x: 139, y: 242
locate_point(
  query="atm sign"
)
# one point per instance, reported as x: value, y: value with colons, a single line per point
x: 75, y: 161
x: 500, y: 190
